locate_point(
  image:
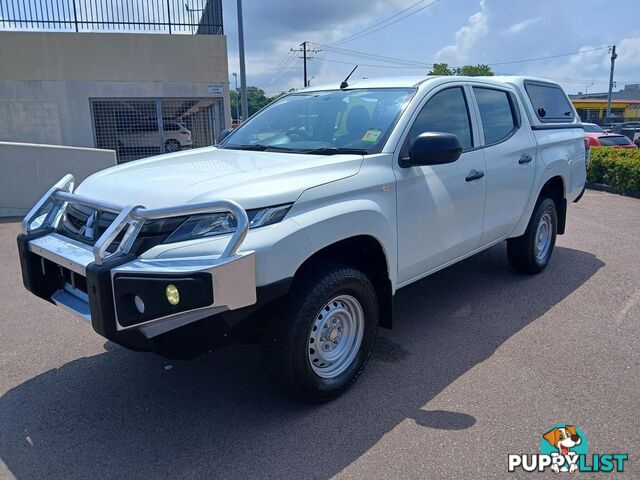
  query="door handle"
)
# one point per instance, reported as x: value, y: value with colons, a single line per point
x: 525, y: 158
x: 474, y: 175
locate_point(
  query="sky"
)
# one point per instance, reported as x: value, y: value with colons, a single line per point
x: 457, y: 32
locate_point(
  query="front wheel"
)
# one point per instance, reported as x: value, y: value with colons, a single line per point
x: 531, y: 252
x: 320, y: 340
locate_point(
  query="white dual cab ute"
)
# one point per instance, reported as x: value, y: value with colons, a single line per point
x: 299, y: 227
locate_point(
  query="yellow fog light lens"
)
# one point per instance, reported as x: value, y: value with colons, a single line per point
x: 173, y: 295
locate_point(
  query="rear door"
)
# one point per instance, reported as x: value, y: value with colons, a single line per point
x: 440, y: 207
x: 509, y: 150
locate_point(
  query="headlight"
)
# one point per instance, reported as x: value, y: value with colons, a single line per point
x: 210, y: 225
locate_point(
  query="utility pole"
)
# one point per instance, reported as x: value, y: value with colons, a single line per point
x: 243, y: 73
x: 235, y: 77
x: 304, y: 57
x: 614, y: 55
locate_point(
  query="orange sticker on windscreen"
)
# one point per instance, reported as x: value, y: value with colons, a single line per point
x: 371, y: 135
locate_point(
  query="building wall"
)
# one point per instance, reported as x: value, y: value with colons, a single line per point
x: 45, y: 92
x: 33, y: 169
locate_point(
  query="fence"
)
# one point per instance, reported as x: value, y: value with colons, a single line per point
x: 162, y: 16
x: 138, y: 128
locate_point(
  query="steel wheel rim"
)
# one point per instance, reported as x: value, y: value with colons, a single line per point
x: 543, y: 237
x: 335, y: 336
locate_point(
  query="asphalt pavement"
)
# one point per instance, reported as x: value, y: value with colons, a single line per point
x: 480, y: 363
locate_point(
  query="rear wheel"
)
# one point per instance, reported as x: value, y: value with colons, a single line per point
x: 171, y: 145
x: 320, y: 340
x: 531, y: 252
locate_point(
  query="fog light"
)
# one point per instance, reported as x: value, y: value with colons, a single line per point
x: 139, y: 303
x: 173, y: 295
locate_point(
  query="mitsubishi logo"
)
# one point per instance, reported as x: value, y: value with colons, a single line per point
x: 87, y: 229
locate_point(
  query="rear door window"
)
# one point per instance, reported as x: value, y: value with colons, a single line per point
x: 613, y: 140
x: 549, y: 102
x: 497, y: 113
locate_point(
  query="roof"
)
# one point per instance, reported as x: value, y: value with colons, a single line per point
x: 378, y: 82
x: 415, y: 81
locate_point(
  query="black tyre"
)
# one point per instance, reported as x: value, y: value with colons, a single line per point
x: 172, y: 145
x: 321, y: 338
x: 531, y: 252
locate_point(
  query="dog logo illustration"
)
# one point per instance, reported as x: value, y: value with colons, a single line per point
x: 564, y: 439
x: 564, y: 448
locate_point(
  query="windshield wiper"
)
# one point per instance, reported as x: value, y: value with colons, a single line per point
x: 336, y: 151
x: 259, y: 147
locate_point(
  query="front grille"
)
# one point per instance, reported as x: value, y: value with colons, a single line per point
x: 63, y: 275
x: 76, y: 223
x: 87, y: 225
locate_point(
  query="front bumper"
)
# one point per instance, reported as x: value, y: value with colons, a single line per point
x: 125, y: 297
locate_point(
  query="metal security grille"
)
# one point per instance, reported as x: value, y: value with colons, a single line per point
x: 141, y: 128
x: 166, y: 16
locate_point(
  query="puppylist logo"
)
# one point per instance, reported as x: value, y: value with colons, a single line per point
x: 564, y: 448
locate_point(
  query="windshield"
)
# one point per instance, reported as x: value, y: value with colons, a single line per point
x: 328, y: 122
x: 592, y: 128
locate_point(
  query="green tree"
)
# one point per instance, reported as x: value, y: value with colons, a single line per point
x: 256, y: 98
x: 441, y: 69
x: 466, y: 70
x: 479, y: 70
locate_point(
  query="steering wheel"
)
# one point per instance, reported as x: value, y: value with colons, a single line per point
x: 298, y: 137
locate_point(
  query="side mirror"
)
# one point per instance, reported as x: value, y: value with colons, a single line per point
x: 433, y: 148
x: 224, y: 134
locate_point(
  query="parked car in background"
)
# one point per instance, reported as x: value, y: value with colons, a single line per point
x: 144, y: 136
x: 609, y: 124
x: 629, y: 129
x: 608, y: 140
x: 592, y: 128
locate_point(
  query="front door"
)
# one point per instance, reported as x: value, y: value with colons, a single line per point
x: 440, y: 207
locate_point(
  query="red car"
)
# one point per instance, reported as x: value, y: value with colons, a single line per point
x: 600, y: 138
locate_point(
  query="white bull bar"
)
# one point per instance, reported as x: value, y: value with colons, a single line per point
x: 233, y: 272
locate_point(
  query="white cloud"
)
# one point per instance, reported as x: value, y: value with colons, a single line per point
x: 629, y: 52
x: 520, y: 26
x: 467, y: 38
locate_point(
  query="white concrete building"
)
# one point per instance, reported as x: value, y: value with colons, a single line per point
x: 136, y: 93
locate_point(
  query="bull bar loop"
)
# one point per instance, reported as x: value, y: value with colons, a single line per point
x: 54, y: 202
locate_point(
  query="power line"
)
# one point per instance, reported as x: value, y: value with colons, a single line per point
x: 565, y: 80
x: 371, y: 56
x: 325, y: 59
x: 282, y: 66
x: 283, y: 60
x: 372, y: 29
x: 286, y: 66
x: 348, y: 52
x: 547, y: 57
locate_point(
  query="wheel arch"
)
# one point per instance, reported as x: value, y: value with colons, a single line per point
x: 366, y: 253
x: 555, y: 188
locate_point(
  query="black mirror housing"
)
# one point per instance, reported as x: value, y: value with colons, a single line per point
x: 224, y: 134
x: 433, y: 148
